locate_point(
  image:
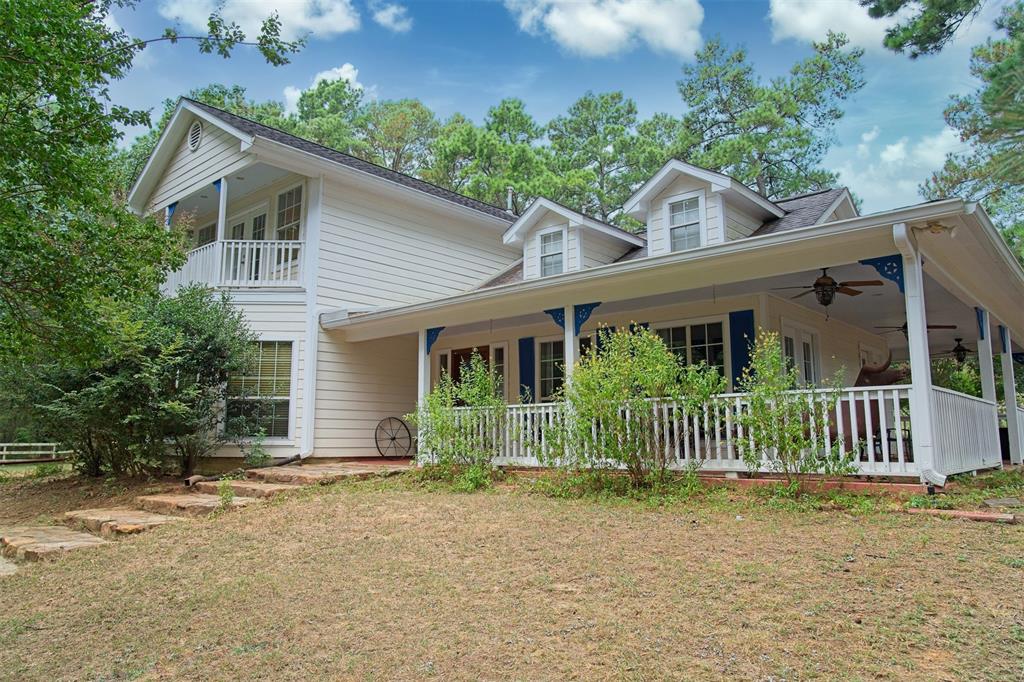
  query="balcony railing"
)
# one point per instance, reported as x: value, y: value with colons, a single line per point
x: 241, y: 263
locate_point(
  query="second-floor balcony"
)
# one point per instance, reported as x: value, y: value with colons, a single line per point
x: 239, y: 263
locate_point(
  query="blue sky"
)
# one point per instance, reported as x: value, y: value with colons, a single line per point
x: 465, y: 56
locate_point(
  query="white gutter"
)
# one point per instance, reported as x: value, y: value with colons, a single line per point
x: 878, y: 221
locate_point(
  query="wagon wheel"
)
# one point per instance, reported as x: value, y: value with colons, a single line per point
x: 393, y: 438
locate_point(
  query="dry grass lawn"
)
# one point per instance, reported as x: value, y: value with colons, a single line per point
x: 385, y: 581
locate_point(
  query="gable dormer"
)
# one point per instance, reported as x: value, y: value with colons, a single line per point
x: 555, y: 239
x: 687, y: 207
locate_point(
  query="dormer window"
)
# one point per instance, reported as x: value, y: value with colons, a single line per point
x: 684, y: 224
x: 552, y: 253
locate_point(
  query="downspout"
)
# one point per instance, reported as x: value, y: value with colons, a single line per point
x: 920, y: 393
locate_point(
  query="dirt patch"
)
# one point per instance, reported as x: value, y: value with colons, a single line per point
x: 375, y: 581
x: 42, y: 501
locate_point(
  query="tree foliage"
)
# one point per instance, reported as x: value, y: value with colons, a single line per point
x: 71, y: 255
x: 770, y: 135
x: 156, y: 389
x: 991, y: 121
x: 923, y: 26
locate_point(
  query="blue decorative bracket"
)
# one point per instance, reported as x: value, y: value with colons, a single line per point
x: 581, y: 313
x: 170, y: 212
x: 432, y: 335
x: 1004, y: 339
x: 890, y: 267
x: 558, y: 315
x: 982, y: 315
x: 216, y: 184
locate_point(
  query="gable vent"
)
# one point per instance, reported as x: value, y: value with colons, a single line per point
x: 195, y: 134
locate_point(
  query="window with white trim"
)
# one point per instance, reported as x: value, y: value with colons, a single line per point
x: 498, y: 363
x: 289, y: 213
x: 552, y: 253
x: 696, y: 343
x: 206, y: 235
x: 684, y: 224
x: 263, y: 395
x: 550, y: 369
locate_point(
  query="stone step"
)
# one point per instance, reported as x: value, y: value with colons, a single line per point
x: 247, y: 488
x: 116, y: 520
x: 187, y: 504
x: 33, y: 543
x: 323, y: 474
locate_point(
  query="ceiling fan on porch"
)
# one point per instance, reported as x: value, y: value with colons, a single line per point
x: 825, y: 288
x: 903, y: 328
x: 959, y: 352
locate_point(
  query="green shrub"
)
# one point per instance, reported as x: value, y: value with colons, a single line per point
x: 226, y: 493
x: 157, y: 389
x: 786, y: 428
x: 607, y: 420
x: 47, y: 469
x: 462, y: 425
x: 255, y: 455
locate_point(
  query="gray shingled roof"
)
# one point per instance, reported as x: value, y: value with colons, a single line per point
x: 258, y: 129
x: 514, y: 273
x: 801, y: 211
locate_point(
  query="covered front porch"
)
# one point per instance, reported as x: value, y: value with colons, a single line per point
x: 244, y: 230
x: 891, y: 419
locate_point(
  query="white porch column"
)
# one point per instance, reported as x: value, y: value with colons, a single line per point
x: 571, y: 350
x: 1013, y: 425
x: 222, y: 219
x: 921, y: 417
x: 985, y: 365
x: 422, y: 368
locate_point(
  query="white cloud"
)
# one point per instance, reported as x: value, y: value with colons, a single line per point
x: 393, y: 17
x: 319, y: 18
x: 346, y: 72
x: 891, y: 179
x: 894, y: 153
x: 808, y: 20
x: 866, y: 138
x: 600, y: 28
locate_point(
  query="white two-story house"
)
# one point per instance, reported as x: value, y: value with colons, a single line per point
x: 364, y: 285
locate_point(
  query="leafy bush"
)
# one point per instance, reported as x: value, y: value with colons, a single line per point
x: 462, y: 424
x: 255, y: 456
x: 607, y: 420
x: 226, y: 493
x: 786, y: 428
x: 157, y: 389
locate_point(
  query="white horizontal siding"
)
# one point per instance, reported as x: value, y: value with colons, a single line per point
x: 738, y: 224
x: 218, y: 152
x: 657, y: 233
x: 600, y: 249
x: 380, y: 252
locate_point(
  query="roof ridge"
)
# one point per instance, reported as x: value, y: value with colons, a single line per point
x: 350, y: 156
x: 808, y: 194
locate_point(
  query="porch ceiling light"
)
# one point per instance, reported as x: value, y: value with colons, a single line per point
x: 825, y: 294
x: 960, y: 352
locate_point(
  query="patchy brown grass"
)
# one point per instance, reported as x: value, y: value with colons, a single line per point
x: 27, y: 500
x: 386, y: 581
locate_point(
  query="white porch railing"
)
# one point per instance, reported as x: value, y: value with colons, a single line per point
x: 966, y: 432
x: 871, y: 423
x: 241, y: 263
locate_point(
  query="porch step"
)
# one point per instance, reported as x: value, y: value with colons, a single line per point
x: 34, y: 543
x: 187, y: 504
x: 323, y: 474
x: 116, y: 520
x: 247, y: 488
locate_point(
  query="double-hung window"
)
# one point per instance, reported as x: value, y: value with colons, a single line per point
x: 552, y: 253
x: 262, y: 396
x: 684, y: 224
x: 695, y: 343
x: 289, y: 213
x: 551, y: 369
x: 206, y: 235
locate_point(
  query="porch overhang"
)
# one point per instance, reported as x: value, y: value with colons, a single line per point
x: 970, y: 240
